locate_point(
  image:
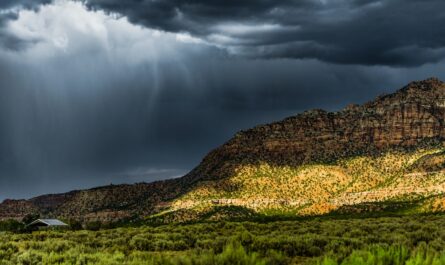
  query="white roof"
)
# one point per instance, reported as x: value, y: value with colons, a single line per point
x: 49, y: 222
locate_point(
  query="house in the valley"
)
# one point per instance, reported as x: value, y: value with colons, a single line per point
x: 47, y: 224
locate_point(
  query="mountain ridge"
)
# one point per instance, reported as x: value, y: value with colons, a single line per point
x: 316, y: 145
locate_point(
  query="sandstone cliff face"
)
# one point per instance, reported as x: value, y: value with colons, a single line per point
x: 412, y: 115
x: 409, y: 118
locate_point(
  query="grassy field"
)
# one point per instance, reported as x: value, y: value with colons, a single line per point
x: 327, y: 241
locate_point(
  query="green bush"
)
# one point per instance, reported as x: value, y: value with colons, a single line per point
x: 11, y: 226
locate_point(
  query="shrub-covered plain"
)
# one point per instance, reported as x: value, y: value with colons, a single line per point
x: 324, y: 241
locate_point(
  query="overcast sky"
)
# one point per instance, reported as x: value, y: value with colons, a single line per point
x: 109, y: 91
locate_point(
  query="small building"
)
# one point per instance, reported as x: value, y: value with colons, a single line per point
x: 47, y: 224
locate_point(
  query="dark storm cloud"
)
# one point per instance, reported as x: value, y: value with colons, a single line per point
x: 8, y: 40
x: 388, y: 32
x: 28, y: 4
x: 8, y: 12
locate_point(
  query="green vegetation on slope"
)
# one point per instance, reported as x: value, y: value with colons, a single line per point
x: 320, y: 188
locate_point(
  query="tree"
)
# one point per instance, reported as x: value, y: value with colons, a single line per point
x: 75, y: 225
x: 11, y: 226
x: 29, y: 218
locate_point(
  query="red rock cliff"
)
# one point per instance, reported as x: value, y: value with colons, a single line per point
x: 412, y: 115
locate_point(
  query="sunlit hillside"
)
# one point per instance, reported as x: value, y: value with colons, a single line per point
x: 318, y: 188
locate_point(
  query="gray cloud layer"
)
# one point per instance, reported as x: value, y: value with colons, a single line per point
x: 388, y: 32
x: 403, y: 33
